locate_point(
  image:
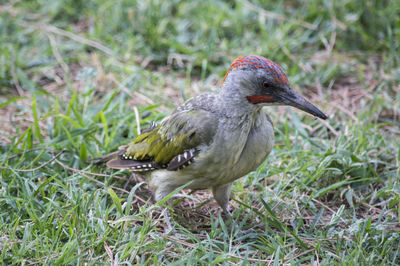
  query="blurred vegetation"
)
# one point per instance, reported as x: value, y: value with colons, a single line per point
x: 80, y: 78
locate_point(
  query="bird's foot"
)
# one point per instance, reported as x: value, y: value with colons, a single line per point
x: 172, y: 232
x: 248, y: 233
x: 170, y: 229
x: 233, y: 226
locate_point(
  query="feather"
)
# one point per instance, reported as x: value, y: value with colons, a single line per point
x: 181, y: 131
x: 182, y: 160
x: 172, y: 144
x: 107, y: 157
x: 136, y: 166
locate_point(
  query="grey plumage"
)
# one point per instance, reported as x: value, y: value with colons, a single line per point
x: 214, y: 139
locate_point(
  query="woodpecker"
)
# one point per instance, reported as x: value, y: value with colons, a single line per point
x: 214, y: 138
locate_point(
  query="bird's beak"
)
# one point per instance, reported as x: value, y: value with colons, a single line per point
x: 291, y: 98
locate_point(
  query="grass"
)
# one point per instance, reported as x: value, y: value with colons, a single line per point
x: 80, y: 78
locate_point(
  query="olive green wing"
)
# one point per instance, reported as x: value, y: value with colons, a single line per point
x: 171, y: 145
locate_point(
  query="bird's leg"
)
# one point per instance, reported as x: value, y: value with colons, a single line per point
x: 221, y: 195
x: 159, y: 195
x: 167, y: 220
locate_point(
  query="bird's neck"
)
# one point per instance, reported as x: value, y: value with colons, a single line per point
x: 233, y: 99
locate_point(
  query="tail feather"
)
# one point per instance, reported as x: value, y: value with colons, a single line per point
x: 104, y: 158
x: 107, y: 157
x: 136, y: 166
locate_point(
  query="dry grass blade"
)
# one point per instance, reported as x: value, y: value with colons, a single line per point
x: 77, y: 38
x: 273, y: 15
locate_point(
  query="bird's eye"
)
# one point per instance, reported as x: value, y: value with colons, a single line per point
x: 267, y: 85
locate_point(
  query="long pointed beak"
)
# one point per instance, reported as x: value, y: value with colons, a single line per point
x: 293, y: 99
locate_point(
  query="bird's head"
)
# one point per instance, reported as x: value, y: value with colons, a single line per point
x: 263, y: 82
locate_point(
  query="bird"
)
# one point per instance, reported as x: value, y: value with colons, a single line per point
x: 213, y: 139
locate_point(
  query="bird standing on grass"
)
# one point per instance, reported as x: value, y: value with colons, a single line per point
x: 213, y: 139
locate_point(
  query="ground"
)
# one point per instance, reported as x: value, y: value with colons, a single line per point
x: 80, y: 78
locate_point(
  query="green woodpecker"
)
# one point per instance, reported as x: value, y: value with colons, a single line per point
x: 213, y: 139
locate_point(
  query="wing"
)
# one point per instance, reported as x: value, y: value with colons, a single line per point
x: 172, y: 145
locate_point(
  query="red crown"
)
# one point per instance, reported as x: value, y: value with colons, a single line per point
x: 247, y: 62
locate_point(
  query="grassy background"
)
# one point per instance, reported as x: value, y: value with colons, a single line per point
x: 80, y: 78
